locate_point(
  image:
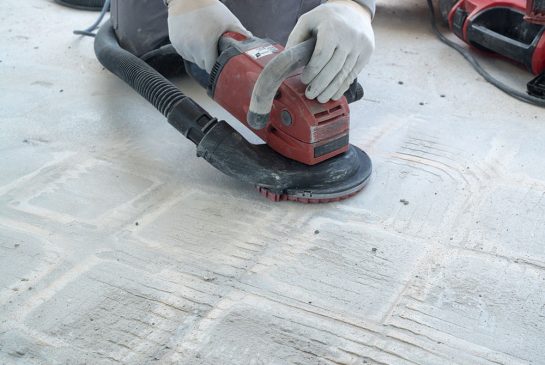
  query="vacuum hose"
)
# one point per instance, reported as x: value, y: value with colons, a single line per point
x: 182, y: 112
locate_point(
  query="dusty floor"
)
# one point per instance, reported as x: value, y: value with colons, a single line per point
x: 118, y: 245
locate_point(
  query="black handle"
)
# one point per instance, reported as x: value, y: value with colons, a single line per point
x: 354, y: 93
x: 488, y: 39
x: 272, y: 76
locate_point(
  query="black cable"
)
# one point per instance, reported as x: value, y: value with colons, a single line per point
x: 89, y: 31
x: 477, y: 66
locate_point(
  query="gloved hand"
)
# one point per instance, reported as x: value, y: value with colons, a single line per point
x: 195, y: 26
x: 344, y: 44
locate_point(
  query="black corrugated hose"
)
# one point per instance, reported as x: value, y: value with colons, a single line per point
x: 135, y: 72
x: 182, y: 112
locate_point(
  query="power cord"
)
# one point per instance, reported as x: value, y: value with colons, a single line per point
x: 89, y: 31
x: 477, y: 65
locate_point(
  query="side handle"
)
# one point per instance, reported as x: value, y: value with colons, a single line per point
x: 272, y: 76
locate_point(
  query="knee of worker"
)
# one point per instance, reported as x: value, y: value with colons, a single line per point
x: 141, y: 26
x: 273, y: 19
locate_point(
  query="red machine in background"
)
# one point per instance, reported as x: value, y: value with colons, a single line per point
x: 514, y: 29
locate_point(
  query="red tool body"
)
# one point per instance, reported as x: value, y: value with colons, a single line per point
x: 511, y: 28
x: 298, y: 128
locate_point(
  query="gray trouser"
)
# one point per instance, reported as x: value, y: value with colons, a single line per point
x: 141, y: 25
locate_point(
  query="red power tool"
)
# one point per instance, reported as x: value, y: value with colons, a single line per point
x: 294, y: 126
x: 307, y: 156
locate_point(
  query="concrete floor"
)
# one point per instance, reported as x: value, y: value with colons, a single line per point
x: 118, y: 245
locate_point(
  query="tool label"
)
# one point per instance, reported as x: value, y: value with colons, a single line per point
x: 262, y: 51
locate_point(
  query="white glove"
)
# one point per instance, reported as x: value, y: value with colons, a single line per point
x: 344, y: 44
x: 195, y: 26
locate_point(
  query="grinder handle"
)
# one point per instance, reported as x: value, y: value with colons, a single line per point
x: 272, y: 76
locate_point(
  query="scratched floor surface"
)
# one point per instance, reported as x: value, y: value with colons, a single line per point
x: 118, y: 245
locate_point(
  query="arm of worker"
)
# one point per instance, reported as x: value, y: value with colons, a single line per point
x: 344, y: 44
x: 195, y: 27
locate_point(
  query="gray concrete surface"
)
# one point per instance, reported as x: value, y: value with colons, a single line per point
x: 118, y: 245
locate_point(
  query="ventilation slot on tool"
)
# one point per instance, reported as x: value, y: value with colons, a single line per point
x: 214, y: 75
x: 321, y: 114
x: 328, y: 115
x: 330, y: 119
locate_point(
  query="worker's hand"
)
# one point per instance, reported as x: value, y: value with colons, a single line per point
x: 195, y: 26
x: 344, y: 44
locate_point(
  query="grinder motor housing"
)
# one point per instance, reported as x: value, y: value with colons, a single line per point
x: 298, y: 128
